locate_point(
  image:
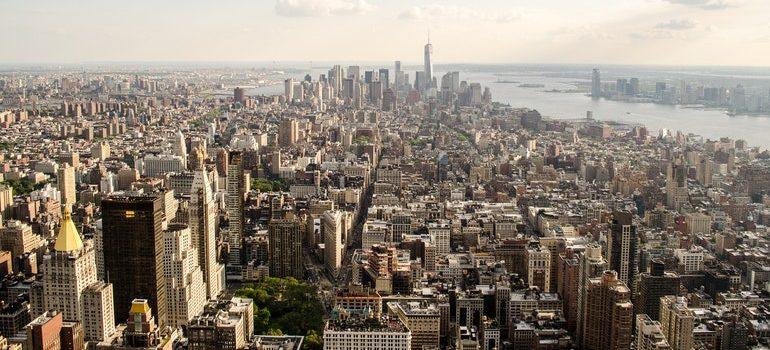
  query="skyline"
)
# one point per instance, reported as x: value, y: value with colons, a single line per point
x: 646, y: 32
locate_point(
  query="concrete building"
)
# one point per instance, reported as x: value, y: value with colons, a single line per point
x: 185, y: 288
x: 608, y: 314
x: 422, y: 320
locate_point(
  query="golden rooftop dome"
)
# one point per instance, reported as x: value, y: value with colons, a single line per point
x: 68, y: 239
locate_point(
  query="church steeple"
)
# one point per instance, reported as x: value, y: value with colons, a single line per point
x: 68, y: 239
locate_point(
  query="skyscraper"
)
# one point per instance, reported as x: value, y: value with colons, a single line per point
x: 133, y: 251
x: 677, y: 192
x: 677, y: 322
x: 65, y: 179
x: 654, y: 285
x: 179, y: 147
x: 236, y: 189
x: 288, y: 132
x: 288, y: 88
x: 622, y: 247
x: 334, y: 247
x: 203, y: 221
x: 596, y: 84
x: 68, y: 270
x: 99, y: 312
x: 285, y: 248
x: 428, y: 69
x: 186, y: 290
x: 384, y: 78
x: 608, y: 315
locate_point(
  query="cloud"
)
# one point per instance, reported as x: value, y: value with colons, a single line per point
x: 705, y: 4
x: 321, y: 8
x: 677, y: 24
x: 435, y: 11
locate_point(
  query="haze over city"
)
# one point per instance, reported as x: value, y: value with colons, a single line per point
x: 384, y: 175
x: 648, y: 32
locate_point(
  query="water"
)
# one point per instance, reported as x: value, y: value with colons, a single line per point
x: 708, y: 123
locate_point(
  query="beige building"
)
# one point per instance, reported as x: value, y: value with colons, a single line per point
x: 98, y: 312
x: 185, y: 289
x: 67, y: 271
x: 65, y: 179
x: 649, y: 336
x: 677, y: 322
x: 423, y: 320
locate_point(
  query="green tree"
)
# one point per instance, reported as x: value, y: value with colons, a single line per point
x: 313, y: 341
x: 262, y: 185
x: 284, y: 304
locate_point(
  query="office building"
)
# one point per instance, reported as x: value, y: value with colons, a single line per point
x: 133, y: 251
x: 334, y: 246
x: 236, y: 190
x: 608, y: 314
x: 285, y: 248
x: 677, y: 322
x: 538, y: 262
x: 98, y: 312
x: 288, y: 132
x: 65, y: 179
x: 596, y: 83
x: 652, y: 286
x: 185, y: 288
x: 67, y: 270
x: 203, y: 222
x: 622, y: 247
x: 366, y: 334
x: 422, y: 320
x: 649, y: 336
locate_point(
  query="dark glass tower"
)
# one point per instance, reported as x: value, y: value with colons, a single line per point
x: 133, y: 252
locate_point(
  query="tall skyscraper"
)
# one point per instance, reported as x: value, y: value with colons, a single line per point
x: 596, y: 83
x: 133, y: 251
x: 622, y: 247
x: 354, y: 72
x: 179, y: 147
x: 334, y: 247
x: 236, y: 189
x: 384, y: 78
x: 285, y: 248
x: 652, y: 286
x: 238, y: 94
x: 677, y: 322
x: 428, y: 65
x: 609, y: 314
x: 288, y: 88
x: 288, y: 132
x: 68, y: 270
x: 398, y: 78
x: 203, y: 221
x: 65, y: 179
x: 677, y: 192
x: 186, y: 290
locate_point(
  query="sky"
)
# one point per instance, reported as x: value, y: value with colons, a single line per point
x: 646, y: 32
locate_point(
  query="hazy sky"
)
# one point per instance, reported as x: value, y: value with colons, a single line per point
x: 679, y: 32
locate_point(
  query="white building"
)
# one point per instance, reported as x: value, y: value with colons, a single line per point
x: 67, y: 271
x: 185, y: 289
x: 353, y: 334
x: 203, y: 220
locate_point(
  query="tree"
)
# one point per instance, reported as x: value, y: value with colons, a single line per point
x: 285, y: 305
x: 262, y: 185
x: 313, y: 341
